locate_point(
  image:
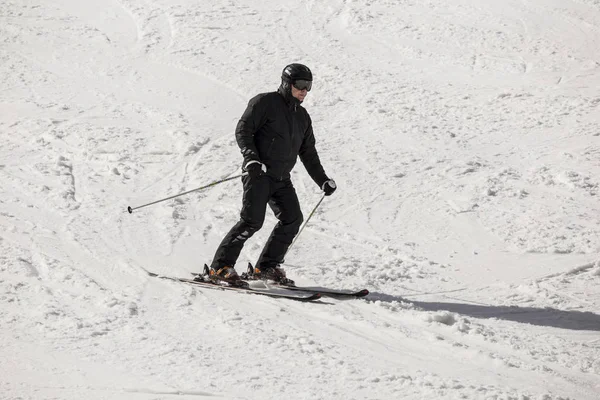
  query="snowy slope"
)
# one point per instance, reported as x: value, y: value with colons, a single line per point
x: 465, y: 140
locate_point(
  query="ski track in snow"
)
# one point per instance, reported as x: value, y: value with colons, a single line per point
x: 464, y: 139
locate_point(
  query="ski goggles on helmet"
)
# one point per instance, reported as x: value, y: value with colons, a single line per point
x: 302, y: 84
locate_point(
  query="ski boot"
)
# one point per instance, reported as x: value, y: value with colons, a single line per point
x: 275, y: 273
x: 225, y: 274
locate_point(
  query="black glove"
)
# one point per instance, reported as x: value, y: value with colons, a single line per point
x: 256, y: 169
x: 329, y: 187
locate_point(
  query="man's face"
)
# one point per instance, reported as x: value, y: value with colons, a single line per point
x: 300, y: 89
x: 299, y: 94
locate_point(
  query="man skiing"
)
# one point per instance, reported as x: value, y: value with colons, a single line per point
x: 273, y: 131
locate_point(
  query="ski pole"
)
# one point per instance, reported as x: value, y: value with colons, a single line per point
x: 305, y: 222
x: 130, y: 209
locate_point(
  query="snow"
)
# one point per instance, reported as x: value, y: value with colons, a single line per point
x: 463, y: 136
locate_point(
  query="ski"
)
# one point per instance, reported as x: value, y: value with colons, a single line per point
x: 327, y: 292
x: 305, y: 297
x: 335, y: 293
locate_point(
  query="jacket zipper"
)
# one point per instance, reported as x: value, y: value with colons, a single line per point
x: 270, y: 147
x: 269, y: 153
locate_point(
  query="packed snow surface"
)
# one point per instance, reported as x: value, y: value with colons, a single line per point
x: 464, y: 136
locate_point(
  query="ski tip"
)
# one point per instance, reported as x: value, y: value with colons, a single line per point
x: 314, y: 296
x: 362, y: 293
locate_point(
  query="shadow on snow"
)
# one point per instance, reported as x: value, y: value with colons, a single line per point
x: 551, y: 317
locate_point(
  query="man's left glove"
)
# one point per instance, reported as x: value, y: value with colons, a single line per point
x: 329, y: 187
x: 255, y: 169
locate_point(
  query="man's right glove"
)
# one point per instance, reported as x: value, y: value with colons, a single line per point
x: 329, y: 187
x: 255, y: 169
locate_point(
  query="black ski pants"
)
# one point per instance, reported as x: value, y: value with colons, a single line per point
x: 258, y: 192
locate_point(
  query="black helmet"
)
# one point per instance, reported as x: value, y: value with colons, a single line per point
x: 295, y: 72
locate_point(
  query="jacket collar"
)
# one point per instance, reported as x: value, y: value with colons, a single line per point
x: 285, y: 90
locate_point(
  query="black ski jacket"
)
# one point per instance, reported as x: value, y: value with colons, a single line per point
x: 275, y: 131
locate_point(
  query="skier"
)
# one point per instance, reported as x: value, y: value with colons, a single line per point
x: 273, y: 131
